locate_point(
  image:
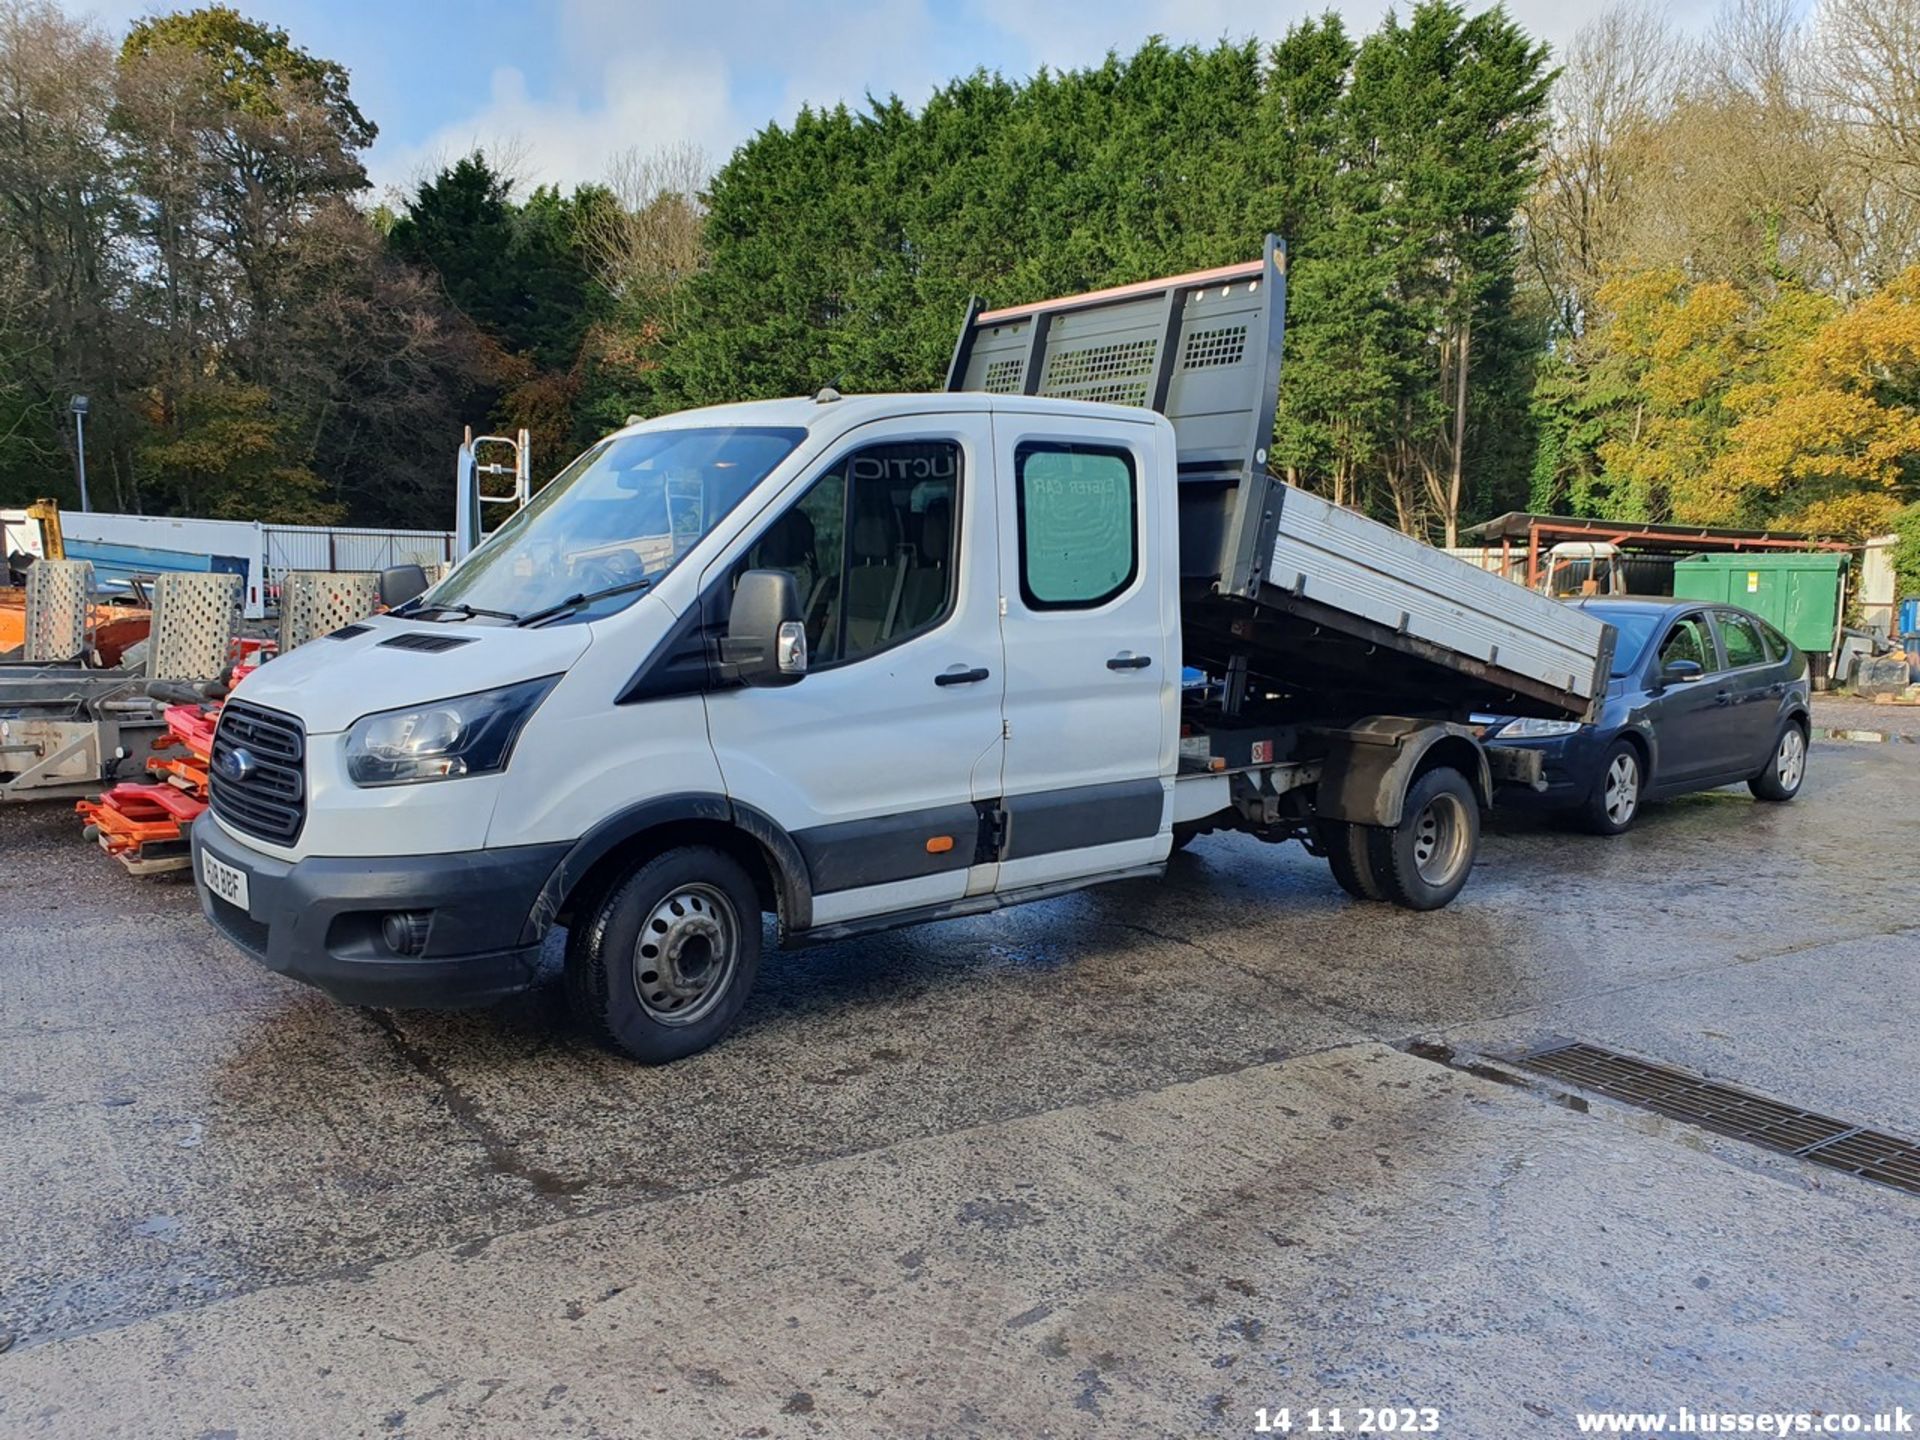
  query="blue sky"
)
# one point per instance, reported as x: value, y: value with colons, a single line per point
x: 564, y: 85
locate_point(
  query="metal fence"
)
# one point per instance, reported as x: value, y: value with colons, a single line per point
x: 335, y: 547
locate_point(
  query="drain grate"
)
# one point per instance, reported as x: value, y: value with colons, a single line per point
x: 1741, y: 1114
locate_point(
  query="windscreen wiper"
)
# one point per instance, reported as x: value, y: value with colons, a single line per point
x: 584, y: 597
x: 464, y: 609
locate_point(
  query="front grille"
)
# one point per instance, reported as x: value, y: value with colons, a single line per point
x: 271, y: 801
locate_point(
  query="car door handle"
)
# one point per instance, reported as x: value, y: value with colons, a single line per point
x: 959, y: 676
x: 1129, y: 662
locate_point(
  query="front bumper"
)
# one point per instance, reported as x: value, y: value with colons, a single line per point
x: 1564, y: 765
x: 319, y: 920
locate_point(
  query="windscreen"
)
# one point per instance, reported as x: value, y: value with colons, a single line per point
x: 625, y: 511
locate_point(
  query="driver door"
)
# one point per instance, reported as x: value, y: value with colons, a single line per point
x: 875, y: 761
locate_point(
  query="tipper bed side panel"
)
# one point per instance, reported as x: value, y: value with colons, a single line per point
x: 1360, y: 567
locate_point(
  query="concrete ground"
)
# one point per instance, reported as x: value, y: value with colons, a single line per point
x: 1139, y: 1161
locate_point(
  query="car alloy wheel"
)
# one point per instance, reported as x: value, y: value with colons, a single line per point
x: 1622, y: 796
x: 1790, y: 761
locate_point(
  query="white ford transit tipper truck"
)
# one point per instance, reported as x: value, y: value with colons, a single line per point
x: 868, y: 661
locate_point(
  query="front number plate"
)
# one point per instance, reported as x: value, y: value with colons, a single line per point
x: 224, y: 880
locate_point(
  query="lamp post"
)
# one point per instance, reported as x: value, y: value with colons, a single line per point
x: 78, y: 405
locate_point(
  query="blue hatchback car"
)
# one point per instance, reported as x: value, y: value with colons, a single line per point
x: 1701, y: 696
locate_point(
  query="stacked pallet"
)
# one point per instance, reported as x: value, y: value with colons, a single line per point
x: 144, y: 825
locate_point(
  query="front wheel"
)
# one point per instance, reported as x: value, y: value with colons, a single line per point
x: 661, y: 966
x: 1422, y: 862
x: 1786, y: 768
x: 1615, y: 802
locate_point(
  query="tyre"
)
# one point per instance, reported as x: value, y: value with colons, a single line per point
x: 1786, y: 768
x: 1615, y: 802
x: 1422, y: 862
x: 661, y: 963
x: 1347, y: 857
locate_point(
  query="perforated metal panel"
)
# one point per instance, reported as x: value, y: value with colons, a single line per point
x: 195, y: 618
x: 58, y: 592
x: 1204, y: 348
x: 317, y: 602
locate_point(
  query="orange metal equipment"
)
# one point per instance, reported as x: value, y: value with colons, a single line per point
x: 144, y: 827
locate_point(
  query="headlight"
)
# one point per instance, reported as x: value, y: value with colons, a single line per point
x: 1529, y: 729
x: 467, y: 735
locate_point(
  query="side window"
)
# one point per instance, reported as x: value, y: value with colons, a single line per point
x: 873, y: 548
x: 1079, y: 543
x: 1689, y: 640
x: 1778, y: 646
x: 808, y: 542
x: 1742, y: 640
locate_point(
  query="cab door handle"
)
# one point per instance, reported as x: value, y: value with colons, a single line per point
x: 1129, y: 662
x: 961, y: 677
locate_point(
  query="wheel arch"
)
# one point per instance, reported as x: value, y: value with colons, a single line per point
x: 629, y: 836
x: 1643, y: 746
x: 1370, y: 766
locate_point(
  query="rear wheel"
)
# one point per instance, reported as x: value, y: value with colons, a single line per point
x: 1347, y: 857
x: 1422, y: 862
x: 1615, y: 802
x: 1787, y: 767
x: 660, y: 966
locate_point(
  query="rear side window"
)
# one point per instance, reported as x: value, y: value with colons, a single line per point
x: 1742, y: 639
x: 1778, y: 646
x: 1078, y: 526
x: 1689, y: 640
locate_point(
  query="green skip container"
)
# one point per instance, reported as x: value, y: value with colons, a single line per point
x: 1797, y: 592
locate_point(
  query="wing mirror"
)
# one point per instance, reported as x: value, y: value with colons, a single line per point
x: 766, y: 642
x: 1679, y: 672
x: 401, y: 583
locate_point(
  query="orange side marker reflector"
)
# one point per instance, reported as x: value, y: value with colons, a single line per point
x: 939, y: 844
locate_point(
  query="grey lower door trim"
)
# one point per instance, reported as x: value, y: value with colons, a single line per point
x: 853, y: 854
x: 1081, y: 817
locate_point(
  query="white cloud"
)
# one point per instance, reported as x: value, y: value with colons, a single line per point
x: 659, y: 73
x: 567, y: 138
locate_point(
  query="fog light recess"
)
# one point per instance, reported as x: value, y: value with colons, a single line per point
x: 405, y: 931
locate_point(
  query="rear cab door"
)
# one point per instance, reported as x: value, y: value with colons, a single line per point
x: 1090, y: 607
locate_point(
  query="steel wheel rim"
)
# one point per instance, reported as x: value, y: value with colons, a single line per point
x: 1439, y: 839
x: 686, y: 955
x: 1791, y: 760
x: 1623, y: 789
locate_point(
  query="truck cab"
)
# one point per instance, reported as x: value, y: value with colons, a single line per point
x: 850, y: 661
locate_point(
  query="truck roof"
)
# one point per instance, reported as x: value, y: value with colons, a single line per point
x: 805, y: 412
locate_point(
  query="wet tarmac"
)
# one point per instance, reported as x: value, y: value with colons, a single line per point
x: 1137, y: 1161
